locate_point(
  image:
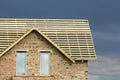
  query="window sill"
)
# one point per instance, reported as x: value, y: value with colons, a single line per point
x: 35, y: 76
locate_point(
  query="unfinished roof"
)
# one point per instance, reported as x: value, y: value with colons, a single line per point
x: 71, y: 36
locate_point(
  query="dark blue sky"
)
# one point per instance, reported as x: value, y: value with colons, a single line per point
x: 103, y: 15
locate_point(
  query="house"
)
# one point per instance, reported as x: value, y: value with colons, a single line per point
x: 45, y: 49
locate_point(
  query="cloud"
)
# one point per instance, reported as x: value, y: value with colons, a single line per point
x: 107, y: 36
x: 107, y: 32
x: 93, y: 77
x: 105, y: 69
x: 107, y: 39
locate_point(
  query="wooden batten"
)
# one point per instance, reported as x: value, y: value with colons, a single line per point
x: 72, y: 37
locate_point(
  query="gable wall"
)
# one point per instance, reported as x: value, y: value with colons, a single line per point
x: 60, y: 67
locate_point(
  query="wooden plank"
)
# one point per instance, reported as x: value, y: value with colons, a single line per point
x: 55, y: 45
x: 64, y: 33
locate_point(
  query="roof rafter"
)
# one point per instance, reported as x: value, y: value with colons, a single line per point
x: 29, y: 31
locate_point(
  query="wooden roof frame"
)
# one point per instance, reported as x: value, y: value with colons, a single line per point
x: 28, y: 32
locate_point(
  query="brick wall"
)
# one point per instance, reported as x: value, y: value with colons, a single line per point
x: 60, y: 67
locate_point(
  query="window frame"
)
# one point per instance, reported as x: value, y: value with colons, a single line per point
x: 45, y: 52
x: 21, y: 52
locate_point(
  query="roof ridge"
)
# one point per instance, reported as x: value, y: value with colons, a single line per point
x: 45, y: 19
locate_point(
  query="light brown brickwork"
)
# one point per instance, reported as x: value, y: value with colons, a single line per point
x: 60, y: 67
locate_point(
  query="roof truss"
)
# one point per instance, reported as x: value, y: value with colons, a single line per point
x: 28, y: 32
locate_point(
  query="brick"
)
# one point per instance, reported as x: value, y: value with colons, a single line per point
x: 60, y: 67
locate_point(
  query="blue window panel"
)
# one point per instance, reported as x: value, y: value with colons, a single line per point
x: 21, y: 63
x: 45, y: 63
